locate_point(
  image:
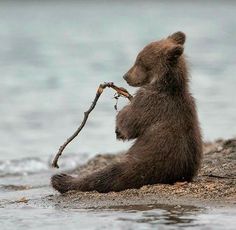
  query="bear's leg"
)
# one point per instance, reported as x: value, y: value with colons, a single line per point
x: 116, y: 177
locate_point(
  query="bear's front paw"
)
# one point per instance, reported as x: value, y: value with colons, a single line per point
x: 119, y: 135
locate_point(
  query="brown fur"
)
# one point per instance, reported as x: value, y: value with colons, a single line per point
x: 161, y: 117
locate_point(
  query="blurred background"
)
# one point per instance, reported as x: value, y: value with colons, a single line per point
x: 54, y: 54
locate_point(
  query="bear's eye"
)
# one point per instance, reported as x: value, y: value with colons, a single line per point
x: 147, y: 68
x: 143, y: 65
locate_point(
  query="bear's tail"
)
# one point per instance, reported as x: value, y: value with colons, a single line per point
x: 116, y: 177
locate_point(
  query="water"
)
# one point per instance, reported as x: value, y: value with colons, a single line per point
x: 54, y: 54
x: 134, y: 218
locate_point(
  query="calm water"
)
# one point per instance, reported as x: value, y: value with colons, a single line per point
x: 162, y: 218
x: 54, y: 54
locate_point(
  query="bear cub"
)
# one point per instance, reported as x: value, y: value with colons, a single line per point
x: 162, y: 119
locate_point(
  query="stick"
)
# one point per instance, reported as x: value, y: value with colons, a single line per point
x: 120, y: 91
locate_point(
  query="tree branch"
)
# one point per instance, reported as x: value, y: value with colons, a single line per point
x: 120, y: 91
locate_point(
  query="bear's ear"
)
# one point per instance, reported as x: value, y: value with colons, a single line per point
x: 178, y: 37
x: 174, y: 52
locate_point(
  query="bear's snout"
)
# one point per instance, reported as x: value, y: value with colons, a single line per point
x: 126, y: 76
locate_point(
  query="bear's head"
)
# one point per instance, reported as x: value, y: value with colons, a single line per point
x: 156, y: 60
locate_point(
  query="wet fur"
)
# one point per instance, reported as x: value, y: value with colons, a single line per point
x: 161, y: 117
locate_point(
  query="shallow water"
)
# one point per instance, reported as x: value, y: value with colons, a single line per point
x: 134, y: 218
x: 54, y: 54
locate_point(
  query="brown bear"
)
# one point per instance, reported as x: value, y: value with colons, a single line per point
x: 161, y: 117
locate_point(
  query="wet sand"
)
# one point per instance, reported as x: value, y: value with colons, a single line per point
x: 214, y: 186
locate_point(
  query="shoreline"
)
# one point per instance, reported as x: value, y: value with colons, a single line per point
x: 215, y: 185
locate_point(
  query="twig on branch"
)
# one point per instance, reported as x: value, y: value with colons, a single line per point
x: 120, y: 91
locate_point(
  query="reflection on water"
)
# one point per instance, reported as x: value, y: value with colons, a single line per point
x: 159, y: 214
x: 175, y: 217
x: 135, y: 217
